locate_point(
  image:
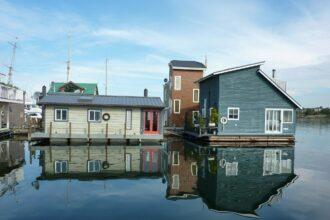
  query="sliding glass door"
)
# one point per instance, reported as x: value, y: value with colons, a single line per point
x: 273, y: 121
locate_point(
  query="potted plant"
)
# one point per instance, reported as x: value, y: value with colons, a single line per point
x: 201, y: 122
x: 214, y: 118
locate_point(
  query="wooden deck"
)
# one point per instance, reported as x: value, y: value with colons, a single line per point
x: 241, y: 138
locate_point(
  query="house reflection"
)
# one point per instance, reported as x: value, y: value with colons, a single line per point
x: 237, y: 180
x: 11, y: 161
x: 99, y: 162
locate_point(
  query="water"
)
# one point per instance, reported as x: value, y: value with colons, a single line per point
x: 176, y: 180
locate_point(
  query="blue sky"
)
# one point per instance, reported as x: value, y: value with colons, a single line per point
x: 141, y: 37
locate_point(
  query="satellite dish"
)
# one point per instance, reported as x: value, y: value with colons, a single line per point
x: 223, y: 120
x: 165, y: 80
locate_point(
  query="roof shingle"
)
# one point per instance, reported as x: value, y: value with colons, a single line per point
x: 186, y: 64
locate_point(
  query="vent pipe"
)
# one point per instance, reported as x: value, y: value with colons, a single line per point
x: 273, y: 75
x: 43, y: 94
x: 145, y: 93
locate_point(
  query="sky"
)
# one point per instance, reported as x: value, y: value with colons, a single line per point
x: 141, y: 37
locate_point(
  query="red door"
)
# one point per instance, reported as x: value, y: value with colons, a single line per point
x: 151, y: 122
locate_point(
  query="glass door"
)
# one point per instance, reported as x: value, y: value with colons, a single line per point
x: 273, y: 121
x: 151, y: 121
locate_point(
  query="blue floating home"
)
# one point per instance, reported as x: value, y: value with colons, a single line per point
x: 248, y: 103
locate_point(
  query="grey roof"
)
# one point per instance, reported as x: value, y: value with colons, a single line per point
x: 187, y: 64
x: 101, y: 100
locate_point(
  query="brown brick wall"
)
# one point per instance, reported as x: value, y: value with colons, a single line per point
x: 188, y: 79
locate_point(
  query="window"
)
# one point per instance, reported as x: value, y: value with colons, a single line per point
x: 94, y: 166
x: 195, y: 115
x: 272, y: 162
x: 128, y: 162
x: 177, y: 83
x: 177, y: 106
x: 61, y: 166
x: 231, y: 169
x: 287, y: 116
x: 195, y: 95
x: 175, y: 181
x: 61, y: 114
x: 128, y: 119
x: 233, y: 113
x: 94, y: 115
x: 175, y: 158
x: 194, y: 169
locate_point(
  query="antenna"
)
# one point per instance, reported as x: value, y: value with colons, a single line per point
x: 69, y: 56
x: 11, y: 67
x: 106, y: 76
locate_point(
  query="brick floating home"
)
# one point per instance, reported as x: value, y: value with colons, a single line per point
x: 251, y: 106
x: 181, y: 92
x: 70, y: 116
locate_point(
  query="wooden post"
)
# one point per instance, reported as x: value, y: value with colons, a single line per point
x: 125, y: 130
x: 70, y: 156
x: 50, y: 130
x: 106, y: 131
x: 89, y: 131
x: 70, y: 130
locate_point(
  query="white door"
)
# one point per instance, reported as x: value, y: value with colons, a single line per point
x: 273, y: 123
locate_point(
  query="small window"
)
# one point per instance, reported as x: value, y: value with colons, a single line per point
x: 61, y: 114
x: 177, y: 106
x: 177, y: 83
x: 231, y: 169
x: 94, y: 115
x: 194, y: 169
x: 175, y: 158
x: 195, y: 115
x: 175, y: 181
x: 287, y: 116
x: 233, y: 113
x: 94, y: 166
x: 128, y: 119
x: 196, y: 96
x: 61, y: 166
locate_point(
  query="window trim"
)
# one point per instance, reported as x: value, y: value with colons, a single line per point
x: 131, y: 124
x: 67, y: 114
x: 191, y: 168
x: 173, y: 153
x: 89, y: 161
x: 61, y: 161
x: 94, y: 121
x: 177, y: 112
x: 287, y: 122
x: 176, y: 85
x: 194, y: 96
x: 238, y: 115
x: 178, y: 185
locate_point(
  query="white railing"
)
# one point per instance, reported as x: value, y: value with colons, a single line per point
x: 11, y: 94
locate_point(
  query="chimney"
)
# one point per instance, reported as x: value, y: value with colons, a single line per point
x: 145, y: 92
x: 273, y: 75
x: 43, y: 93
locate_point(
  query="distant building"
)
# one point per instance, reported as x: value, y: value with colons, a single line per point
x: 181, y: 92
x: 249, y: 101
x: 71, y: 87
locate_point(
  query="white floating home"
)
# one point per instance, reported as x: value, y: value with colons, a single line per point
x: 98, y: 117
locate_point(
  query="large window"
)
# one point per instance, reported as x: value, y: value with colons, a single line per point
x: 287, y: 116
x: 195, y: 95
x: 233, y: 113
x: 61, y: 114
x: 61, y: 166
x: 175, y: 158
x: 94, y: 166
x: 94, y: 115
x: 177, y: 83
x: 128, y: 119
x: 177, y: 106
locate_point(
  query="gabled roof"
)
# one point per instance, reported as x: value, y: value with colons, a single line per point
x: 101, y: 100
x: 264, y: 75
x: 89, y: 88
x: 185, y: 64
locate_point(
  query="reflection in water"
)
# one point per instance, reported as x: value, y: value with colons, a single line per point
x: 11, y: 160
x: 238, y: 180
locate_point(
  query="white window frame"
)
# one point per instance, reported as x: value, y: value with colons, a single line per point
x: 93, y: 170
x: 231, y: 169
x: 173, y: 154
x: 233, y: 119
x: 176, y: 112
x: 281, y: 126
x: 177, y: 86
x: 178, y: 181
x: 287, y: 122
x: 94, y: 110
x: 194, y: 95
x: 61, y: 162
x: 191, y: 168
x: 129, y: 123
x: 62, y: 110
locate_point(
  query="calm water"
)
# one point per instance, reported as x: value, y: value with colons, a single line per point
x: 176, y: 180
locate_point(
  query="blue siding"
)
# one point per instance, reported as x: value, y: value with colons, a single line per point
x: 210, y: 91
x: 248, y: 90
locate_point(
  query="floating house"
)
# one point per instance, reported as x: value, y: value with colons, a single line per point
x: 248, y: 103
x: 98, y: 117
